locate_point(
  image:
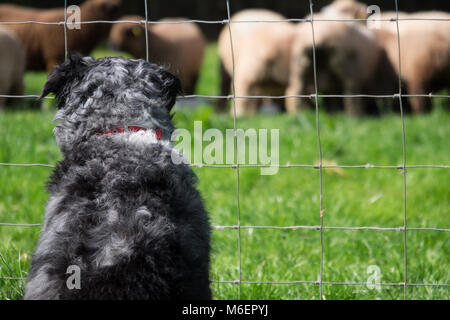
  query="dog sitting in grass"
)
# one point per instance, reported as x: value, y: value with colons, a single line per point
x: 121, y: 212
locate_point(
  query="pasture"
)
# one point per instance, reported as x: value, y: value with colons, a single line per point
x: 352, y: 197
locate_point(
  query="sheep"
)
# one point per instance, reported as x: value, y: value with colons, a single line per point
x: 348, y: 60
x: 349, y: 8
x: 424, y: 53
x: 12, y: 65
x: 178, y: 46
x: 424, y: 49
x: 44, y: 44
x: 261, y: 57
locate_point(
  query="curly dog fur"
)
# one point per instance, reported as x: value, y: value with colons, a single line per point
x: 119, y: 208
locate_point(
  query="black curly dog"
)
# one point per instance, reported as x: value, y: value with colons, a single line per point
x: 120, y: 210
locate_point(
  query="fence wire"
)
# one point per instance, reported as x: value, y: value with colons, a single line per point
x: 316, y: 104
x: 405, y: 251
x: 233, y: 97
x: 236, y: 150
x: 224, y: 21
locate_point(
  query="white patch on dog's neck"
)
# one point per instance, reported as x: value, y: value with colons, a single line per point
x: 139, y: 138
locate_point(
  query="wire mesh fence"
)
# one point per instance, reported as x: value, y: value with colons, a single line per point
x: 320, y: 227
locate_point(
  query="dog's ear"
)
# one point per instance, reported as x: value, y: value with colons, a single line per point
x: 170, y: 87
x: 73, y: 68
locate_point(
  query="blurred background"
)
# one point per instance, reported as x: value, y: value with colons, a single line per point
x: 216, y: 10
x: 353, y: 132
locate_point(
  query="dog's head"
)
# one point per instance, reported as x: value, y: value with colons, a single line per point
x: 98, y: 94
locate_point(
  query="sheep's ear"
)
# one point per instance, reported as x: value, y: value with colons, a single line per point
x: 65, y: 73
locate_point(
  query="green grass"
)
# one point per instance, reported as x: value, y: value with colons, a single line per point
x: 208, y: 82
x: 351, y: 197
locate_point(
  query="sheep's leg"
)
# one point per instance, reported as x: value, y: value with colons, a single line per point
x: 341, y: 64
x: 294, y: 87
x: 301, y: 68
x: 297, y: 86
x: 352, y: 105
x: 352, y: 84
x: 418, y: 104
x: 294, y: 104
x: 16, y: 90
x: 244, y: 106
x: 291, y: 103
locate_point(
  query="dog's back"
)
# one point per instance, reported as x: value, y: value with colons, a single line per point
x: 126, y: 217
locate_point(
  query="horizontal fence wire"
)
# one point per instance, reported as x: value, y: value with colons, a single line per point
x: 334, y: 283
x: 224, y: 21
x: 306, y: 96
x: 218, y: 227
x: 404, y: 166
x: 281, y: 166
x: 292, y: 282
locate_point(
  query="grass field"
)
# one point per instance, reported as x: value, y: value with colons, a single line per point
x: 351, y: 197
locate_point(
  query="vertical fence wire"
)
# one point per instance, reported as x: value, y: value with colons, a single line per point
x: 316, y: 100
x: 236, y: 149
x: 65, y: 29
x: 146, y: 31
x: 405, y: 251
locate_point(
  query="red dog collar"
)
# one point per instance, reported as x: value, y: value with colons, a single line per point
x: 118, y: 130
